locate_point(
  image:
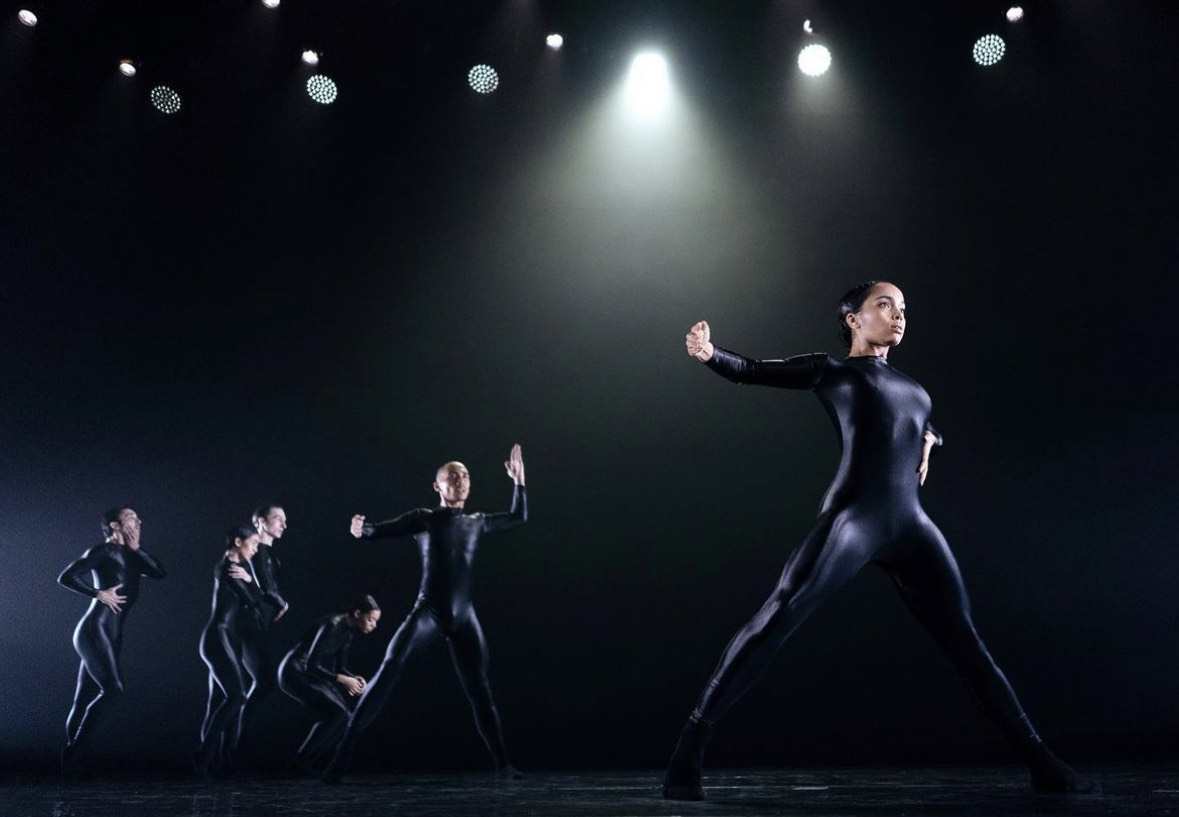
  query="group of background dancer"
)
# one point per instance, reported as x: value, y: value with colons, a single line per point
x: 247, y: 599
x: 871, y: 514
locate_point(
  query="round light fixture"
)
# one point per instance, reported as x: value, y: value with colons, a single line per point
x: 322, y: 89
x: 814, y: 60
x: 989, y: 49
x: 165, y: 100
x: 483, y: 79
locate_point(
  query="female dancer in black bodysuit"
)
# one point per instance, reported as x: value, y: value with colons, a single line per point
x: 871, y: 513
x: 115, y: 565
x: 235, y: 621
x: 447, y: 539
x: 315, y: 673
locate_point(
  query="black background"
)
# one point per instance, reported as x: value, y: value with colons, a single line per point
x: 261, y: 298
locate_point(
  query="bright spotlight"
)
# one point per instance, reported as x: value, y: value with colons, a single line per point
x: 1015, y: 14
x: 322, y: 89
x: 648, y: 85
x: 311, y: 57
x: 483, y: 79
x: 554, y: 41
x: 989, y: 49
x: 271, y: 4
x: 27, y: 17
x: 127, y: 68
x: 814, y: 60
x: 165, y: 99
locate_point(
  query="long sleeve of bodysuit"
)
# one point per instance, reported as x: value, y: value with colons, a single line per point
x: 407, y: 524
x: 75, y: 577
x: 323, y: 656
x: 248, y: 594
x: 149, y: 565
x: 342, y: 659
x: 266, y: 568
x: 518, y: 515
x: 800, y: 372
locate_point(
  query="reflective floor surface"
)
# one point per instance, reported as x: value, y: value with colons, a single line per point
x: 974, y: 792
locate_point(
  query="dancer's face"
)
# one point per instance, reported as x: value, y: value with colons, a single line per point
x: 246, y: 548
x: 274, y: 524
x: 128, y: 524
x: 453, y: 484
x: 366, y: 622
x: 881, y: 319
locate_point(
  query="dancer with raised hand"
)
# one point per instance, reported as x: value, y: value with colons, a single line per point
x: 109, y: 574
x: 871, y: 513
x: 234, y: 627
x: 315, y: 673
x: 447, y: 539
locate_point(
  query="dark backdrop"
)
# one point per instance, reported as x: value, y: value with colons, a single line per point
x: 261, y: 298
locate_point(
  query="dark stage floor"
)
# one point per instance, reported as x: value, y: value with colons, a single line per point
x: 826, y: 793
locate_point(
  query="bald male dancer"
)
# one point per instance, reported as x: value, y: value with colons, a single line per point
x: 447, y: 539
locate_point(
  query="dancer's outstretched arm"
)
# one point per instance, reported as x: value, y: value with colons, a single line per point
x: 407, y: 524
x: 801, y: 372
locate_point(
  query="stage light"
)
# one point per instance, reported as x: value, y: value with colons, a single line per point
x: 165, y: 99
x: 648, y: 85
x: 554, y: 41
x: 311, y: 57
x: 322, y: 89
x: 814, y: 60
x: 27, y: 17
x: 127, y: 68
x: 989, y: 49
x: 271, y: 4
x: 1015, y: 14
x: 483, y: 79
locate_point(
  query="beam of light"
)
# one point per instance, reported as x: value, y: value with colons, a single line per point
x: 989, y: 49
x: 165, y: 100
x: 311, y: 57
x: 648, y: 86
x: 1015, y: 14
x: 483, y: 79
x: 814, y: 60
x: 127, y: 68
x: 271, y: 4
x: 322, y: 89
x: 554, y: 41
x: 27, y: 17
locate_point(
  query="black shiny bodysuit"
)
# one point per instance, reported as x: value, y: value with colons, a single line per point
x: 447, y: 539
x: 871, y: 514
x: 266, y: 567
x: 308, y: 674
x: 98, y: 637
x: 235, y: 628
x: 257, y: 653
